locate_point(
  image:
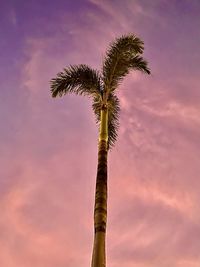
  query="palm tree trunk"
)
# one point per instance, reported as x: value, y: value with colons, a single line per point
x: 100, y: 208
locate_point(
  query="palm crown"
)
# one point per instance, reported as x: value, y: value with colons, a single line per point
x: 122, y: 56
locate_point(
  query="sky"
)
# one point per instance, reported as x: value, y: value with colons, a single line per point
x: 48, y: 147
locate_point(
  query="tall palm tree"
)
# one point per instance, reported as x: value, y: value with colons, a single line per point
x: 122, y: 56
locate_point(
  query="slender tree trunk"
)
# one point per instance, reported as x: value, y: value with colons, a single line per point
x: 100, y: 208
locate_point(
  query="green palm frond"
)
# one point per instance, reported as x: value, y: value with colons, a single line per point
x: 78, y: 79
x: 121, y: 57
x: 113, y: 119
x: 138, y: 63
x: 113, y: 116
x: 96, y: 106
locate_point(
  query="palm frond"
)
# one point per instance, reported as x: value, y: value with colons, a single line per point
x: 78, y: 79
x: 138, y: 63
x: 96, y: 106
x: 113, y: 119
x: 119, y: 60
x: 113, y: 116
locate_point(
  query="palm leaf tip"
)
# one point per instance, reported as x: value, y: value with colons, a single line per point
x: 138, y: 63
x: 54, y: 90
x: 147, y: 70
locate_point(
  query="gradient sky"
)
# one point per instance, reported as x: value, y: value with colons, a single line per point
x: 48, y: 147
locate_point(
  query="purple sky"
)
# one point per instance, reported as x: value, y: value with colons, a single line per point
x: 49, y: 146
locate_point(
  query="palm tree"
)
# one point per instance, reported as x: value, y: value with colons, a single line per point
x: 122, y: 56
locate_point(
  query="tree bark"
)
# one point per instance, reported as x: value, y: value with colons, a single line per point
x: 100, y: 208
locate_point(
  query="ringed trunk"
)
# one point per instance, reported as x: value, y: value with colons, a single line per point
x: 100, y: 208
